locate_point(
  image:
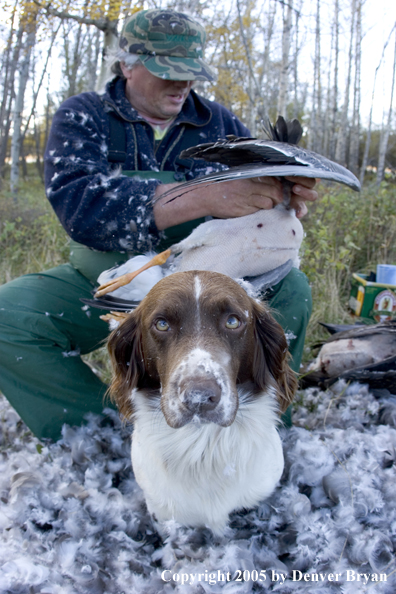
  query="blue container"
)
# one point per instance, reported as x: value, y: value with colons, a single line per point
x: 386, y: 274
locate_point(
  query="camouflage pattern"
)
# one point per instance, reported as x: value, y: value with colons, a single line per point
x: 170, y: 44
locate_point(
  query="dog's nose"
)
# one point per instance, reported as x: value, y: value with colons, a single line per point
x: 200, y: 395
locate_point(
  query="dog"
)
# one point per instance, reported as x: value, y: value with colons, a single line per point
x: 201, y: 369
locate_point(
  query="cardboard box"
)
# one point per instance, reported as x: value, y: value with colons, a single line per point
x: 372, y: 300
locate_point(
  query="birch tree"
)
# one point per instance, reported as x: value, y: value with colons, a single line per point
x: 72, y: 47
x: 368, y: 135
x: 296, y: 102
x: 252, y: 88
x: 9, y: 70
x: 342, y: 135
x: 268, y: 34
x: 93, y: 56
x: 355, y: 123
x: 334, y: 92
x: 37, y: 88
x: 284, y: 69
x: 16, y: 142
x: 315, y: 135
x: 386, y: 130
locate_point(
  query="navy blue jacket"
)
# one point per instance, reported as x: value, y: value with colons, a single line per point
x: 94, y: 201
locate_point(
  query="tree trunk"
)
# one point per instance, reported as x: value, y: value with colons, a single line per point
x: 327, y: 109
x: 8, y: 69
x: 284, y: 70
x: 110, y: 43
x: 76, y: 63
x: 343, y: 128
x: 296, y: 103
x: 334, y: 106
x: 368, y: 137
x: 268, y: 34
x: 355, y: 129
x: 17, y: 117
x: 385, y: 135
x: 252, y: 89
x: 8, y: 98
x: 47, y: 115
x: 94, y: 60
x: 315, y: 135
x: 43, y: 73
x: 37, y: 143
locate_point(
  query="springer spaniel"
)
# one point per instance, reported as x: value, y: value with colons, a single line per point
x: 201, y: 368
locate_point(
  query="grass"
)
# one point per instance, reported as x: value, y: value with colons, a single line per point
x: 31, y: 237
x: 32, y: 240
x: 345, y: 232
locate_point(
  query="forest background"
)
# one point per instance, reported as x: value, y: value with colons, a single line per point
x: 299, y: 58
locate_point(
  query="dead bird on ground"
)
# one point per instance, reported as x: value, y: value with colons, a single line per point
x: 363, y: 353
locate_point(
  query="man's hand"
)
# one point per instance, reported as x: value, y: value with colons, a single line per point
x: 231, y: 199
x: 302, y: 192
x: 268, y: 194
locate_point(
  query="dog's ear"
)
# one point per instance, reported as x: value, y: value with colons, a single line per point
x: 271, y: 356
x: 126, y: 354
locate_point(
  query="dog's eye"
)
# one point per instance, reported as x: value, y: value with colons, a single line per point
x: 232, y: 322
x: 162, y: 325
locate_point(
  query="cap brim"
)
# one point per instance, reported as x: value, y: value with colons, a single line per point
x: 175, y: 68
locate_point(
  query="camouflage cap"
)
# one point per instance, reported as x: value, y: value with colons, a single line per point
x: 170, y: 44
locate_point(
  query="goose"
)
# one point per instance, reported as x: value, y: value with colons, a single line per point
x: 262, y: 246
x: 362, y: 353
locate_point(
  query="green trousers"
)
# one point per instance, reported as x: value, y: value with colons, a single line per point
x: 44, y: 328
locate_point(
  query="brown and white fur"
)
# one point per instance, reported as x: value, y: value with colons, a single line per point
x: 201, y: 368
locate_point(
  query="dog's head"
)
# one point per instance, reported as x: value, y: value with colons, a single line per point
x: 191, y: 341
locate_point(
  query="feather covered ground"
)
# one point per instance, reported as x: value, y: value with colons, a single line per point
x: 73, y: 520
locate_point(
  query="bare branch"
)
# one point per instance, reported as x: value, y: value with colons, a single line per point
x: 246, y: 46
x: 54, y: 34
x: 104, y: 24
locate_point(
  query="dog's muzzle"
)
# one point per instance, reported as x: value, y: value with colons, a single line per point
x: 200, y: 390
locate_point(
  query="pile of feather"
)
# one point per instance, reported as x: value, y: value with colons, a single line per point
x: 73, y: 519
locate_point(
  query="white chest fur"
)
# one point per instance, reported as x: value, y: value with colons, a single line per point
x: 198, y: 474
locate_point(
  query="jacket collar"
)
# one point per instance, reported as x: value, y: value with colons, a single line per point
x: 194, y: 111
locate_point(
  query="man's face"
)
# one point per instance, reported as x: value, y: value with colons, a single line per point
x: 153, y: 96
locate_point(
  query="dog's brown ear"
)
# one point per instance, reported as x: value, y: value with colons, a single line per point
x: 126, y: 354
x: 271, y: 356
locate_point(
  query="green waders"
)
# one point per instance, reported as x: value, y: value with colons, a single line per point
x: 44, y: 328
x: 291, y: 304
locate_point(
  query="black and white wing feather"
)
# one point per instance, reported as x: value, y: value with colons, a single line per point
x: 252, y: 157
x: 276, y: 156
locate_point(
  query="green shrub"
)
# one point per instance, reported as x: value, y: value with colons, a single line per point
x: 346, y: 232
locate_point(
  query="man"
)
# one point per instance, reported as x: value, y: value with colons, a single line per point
x: 145, y: 118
